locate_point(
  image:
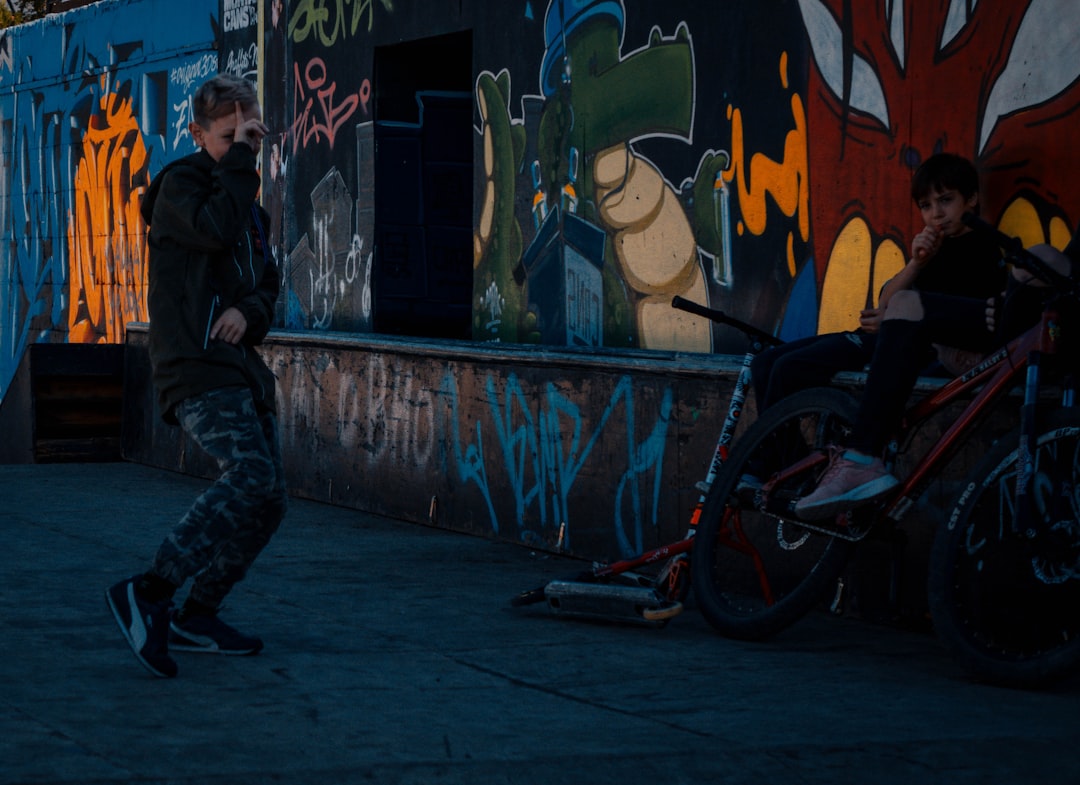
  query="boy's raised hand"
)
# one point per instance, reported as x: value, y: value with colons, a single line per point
x: 992, y: 304
x: 870, y: 319
x: 926, y: 244
x: 249, y: 130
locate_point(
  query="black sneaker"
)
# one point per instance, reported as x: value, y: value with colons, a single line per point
x: 145, y: 627
x: 208, y: 633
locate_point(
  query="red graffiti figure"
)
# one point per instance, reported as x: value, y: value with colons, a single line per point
x: 892, y: 83
x: 315, y: 113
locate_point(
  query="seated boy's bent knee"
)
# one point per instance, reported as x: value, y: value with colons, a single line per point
x: 907, y: 305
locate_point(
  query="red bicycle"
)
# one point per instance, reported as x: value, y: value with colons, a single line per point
x: 1004, y: 578
x: 616, y: 590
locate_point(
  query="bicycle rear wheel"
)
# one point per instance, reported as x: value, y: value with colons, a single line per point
x: 756, y: 570
x: 1007, y: 605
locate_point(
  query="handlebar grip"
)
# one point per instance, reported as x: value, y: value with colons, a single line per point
x: 751, y: 332
x: 699, y: 310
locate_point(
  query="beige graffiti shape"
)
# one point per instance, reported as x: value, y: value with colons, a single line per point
x: 654, y: 248
x: 1021, y: 219
x: 106, y: 234
x: 844, y: 293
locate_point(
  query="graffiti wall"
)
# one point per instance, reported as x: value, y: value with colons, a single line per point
x: 88, y: 112
x: 317, y: 92
x: 528, y: 172
x: 757, y: 156
x: 514, y: 450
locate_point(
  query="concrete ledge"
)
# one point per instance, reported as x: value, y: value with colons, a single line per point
x: 500, y: 441
x: 667, y: 364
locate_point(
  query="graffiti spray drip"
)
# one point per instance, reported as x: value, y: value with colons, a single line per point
x: 539, y: 205
x: 569, y: 191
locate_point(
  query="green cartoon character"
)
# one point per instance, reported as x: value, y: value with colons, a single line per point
x: 596, y: 103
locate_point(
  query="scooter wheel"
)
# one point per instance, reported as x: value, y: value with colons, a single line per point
x: 662, y: 613
x: 530, y: 597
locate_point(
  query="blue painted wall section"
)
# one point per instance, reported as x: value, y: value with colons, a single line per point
x: 537, y: 446
x: 92, y: 104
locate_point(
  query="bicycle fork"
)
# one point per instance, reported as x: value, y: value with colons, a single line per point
x: 674, y: 576
x: 1025, y: 459
x: 1035, y: 508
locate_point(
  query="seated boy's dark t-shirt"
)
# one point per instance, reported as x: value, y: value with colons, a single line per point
x: 968, y: 265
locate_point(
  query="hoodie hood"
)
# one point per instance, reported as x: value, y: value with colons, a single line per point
x: 199, y: 159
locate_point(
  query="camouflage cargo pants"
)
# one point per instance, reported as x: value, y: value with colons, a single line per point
x: 232, y: 521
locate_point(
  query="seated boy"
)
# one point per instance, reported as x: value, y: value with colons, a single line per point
x: 947, y: 259
x: 913, y: 322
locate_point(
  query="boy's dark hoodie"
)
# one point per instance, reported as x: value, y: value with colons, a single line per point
x: 207, y: 253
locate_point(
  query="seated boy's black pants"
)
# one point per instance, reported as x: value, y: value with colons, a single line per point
x: 898, y: 357
x: 903, y: 349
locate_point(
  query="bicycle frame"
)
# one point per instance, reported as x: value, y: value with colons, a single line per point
x: 994, y: 376
x: 720, y: 454
x: 676, y: 551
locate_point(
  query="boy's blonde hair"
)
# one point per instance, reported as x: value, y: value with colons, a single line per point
x: 218, y: 96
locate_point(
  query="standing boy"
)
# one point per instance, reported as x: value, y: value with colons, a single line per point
x: 212, y: 291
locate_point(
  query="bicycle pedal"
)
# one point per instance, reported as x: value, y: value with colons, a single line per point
x: 853, y: 532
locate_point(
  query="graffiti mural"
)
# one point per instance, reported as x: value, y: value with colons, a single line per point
x: 596, y: 271
x: 317, y: 96
x: 520, y: 454
x: 240, y: 38
x: 624, y: 153
x: 895, y: 82
x: 106, y: 258
x: 87, y: 116
x: 667, y: 152
x: 537, y: 453
x: 752, y: 156
x: 616, y: 187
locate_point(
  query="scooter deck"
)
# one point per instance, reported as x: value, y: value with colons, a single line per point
x: 613, y: 602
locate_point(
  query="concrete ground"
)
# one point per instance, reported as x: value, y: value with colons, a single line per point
x: 392, y: 656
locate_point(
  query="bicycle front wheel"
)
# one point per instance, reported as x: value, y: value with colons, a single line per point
x: 1005, y: 603
x: 755, y: 568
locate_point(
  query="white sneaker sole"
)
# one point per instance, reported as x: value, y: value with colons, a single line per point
x: 184, y: 641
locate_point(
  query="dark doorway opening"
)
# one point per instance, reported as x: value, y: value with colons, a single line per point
x: 422, y: 283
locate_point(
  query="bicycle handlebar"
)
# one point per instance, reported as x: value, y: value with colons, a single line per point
x: 751, y: 332
x: 1021, y: 257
